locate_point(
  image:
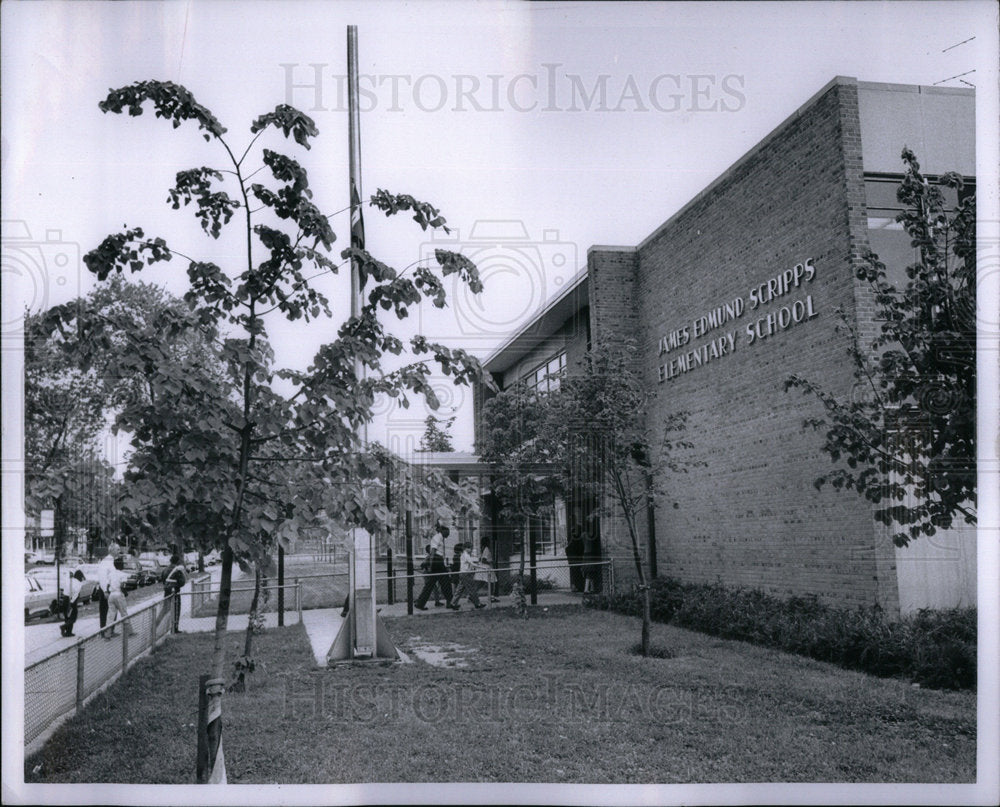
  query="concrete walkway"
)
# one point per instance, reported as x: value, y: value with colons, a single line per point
x: 42, y: 640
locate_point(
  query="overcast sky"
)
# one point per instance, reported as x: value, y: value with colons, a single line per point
x: 539, y: 130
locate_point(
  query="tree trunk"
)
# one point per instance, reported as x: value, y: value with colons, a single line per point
x: 239, y: 685
x: 521, y: 605
x: 623, y: 499
x: 645, y: 620
x: 222, y: 615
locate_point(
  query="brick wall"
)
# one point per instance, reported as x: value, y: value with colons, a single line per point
x: 614, y: 315
x: 749, y: 514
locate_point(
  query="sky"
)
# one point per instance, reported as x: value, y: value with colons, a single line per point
x: 537, y: 129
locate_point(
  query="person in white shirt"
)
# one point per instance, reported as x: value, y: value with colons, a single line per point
x: 467, y: 578
x: 116, y: 598
x: 73, y: 602
x: 105, y: 571
x: 438, y: 572
x: 486, y: 573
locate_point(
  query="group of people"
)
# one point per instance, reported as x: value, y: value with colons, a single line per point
x: 111, y: 595
x: 449, y: 585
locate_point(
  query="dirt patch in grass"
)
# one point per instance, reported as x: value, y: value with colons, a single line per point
x: 556, y: 698
x: 438, y: 654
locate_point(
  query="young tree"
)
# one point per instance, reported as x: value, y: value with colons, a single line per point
x: 909, y: 440
x: 605, y: 444
x: 437, y: 436
x: 516, y: 442
x: 243, y: 438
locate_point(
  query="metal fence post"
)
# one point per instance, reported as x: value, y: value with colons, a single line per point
x: 126, y: 626
x: 281, y: 586
x: 409, y: 564
x: 391, y: 579
x: 79, y: 676
x: 152, y: 626
x: 298, y: 598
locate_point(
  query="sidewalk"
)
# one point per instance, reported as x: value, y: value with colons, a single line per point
x: 45, y: 639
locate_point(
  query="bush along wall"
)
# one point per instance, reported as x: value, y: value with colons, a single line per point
x: 932, y: 648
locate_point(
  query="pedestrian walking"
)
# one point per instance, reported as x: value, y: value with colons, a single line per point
x: 467, y: 578
x: 456, y: 564
x: 438, y: 571
x: 105, y: 573
x: 486, y: 574
x: 425, y: 567
x: 72, y: 602
x: 117, y: 599
x: 172, y: 585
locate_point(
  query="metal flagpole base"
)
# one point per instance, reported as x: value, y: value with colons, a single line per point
x: 342, y: 648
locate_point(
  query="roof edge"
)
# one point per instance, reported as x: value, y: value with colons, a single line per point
x: 766, y: 140
x: 574, y: 283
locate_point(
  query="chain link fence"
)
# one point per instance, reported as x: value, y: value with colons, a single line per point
x: 204, y: 600
x: 59, y: 685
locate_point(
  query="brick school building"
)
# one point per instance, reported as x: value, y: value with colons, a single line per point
x: 726, y: 299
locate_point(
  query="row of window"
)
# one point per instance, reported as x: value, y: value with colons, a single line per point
x: 546, y: 376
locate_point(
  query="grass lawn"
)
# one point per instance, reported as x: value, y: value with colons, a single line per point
x: 557, y: 698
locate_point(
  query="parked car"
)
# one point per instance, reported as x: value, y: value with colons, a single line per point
x: 40, y: 584
x: 41, y: 557
x: 155, y: 564
x: 152, y: 570
x: 46, y: 578
x: 213, y: 558
x: 37, y: 601
x: 191, y: 561
x: 137, y: 575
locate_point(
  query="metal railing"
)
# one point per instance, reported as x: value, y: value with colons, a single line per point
x: 58, y: 685
x: 204, y: 599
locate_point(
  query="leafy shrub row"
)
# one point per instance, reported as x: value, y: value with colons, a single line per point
x: 932, y: 648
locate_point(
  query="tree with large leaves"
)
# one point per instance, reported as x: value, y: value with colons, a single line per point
x: 75, y: 384
x: 908, y: 433
x: 606, y: 444
x: 237, y: 443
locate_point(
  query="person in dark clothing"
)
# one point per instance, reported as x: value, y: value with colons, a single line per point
x: 574, y: 554
x: 72, y: 603
x: 438, y: 572
x: 172, y: 584
x: 425, y: 567
x: 456, y: 565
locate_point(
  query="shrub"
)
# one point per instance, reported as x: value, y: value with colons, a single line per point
x: 932, y: 648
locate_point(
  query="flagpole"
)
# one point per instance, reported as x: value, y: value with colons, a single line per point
x: 354, y: 146
x: 359, y: 635
x: 354, y: 189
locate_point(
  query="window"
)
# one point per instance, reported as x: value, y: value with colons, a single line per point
x: 549, y: 524
x: 545, y: 377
